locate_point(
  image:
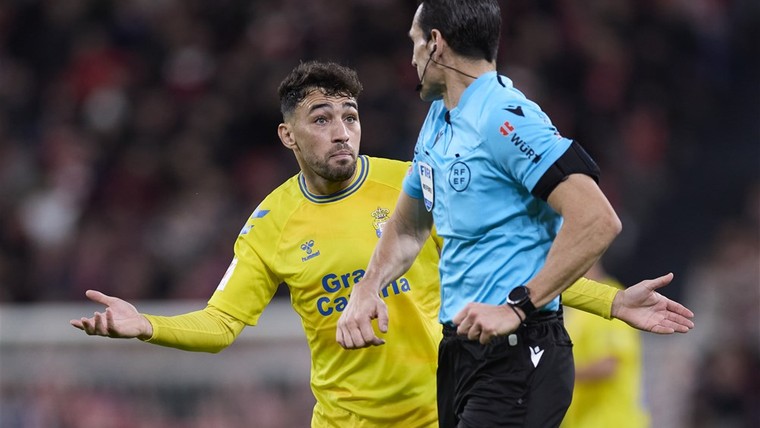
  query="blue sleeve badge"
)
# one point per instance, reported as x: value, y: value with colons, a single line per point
x: 258, y: 213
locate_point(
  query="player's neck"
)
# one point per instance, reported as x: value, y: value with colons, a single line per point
x: 317, y: 185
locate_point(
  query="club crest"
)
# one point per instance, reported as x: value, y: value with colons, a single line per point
x: 381, y: 216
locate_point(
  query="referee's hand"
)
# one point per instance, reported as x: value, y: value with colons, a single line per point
x: 482, y: 322
x: 355, y: 324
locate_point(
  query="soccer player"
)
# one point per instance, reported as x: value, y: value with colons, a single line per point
x: 521, y: 217
x: 316, y: 233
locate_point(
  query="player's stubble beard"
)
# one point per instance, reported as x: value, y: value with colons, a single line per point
x: 335, y: 171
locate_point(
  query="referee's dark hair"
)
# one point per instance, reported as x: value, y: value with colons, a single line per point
x: 472, y: 28
x: 330, y: 78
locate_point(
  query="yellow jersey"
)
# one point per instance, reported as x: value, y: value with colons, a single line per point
x: 319, y: 246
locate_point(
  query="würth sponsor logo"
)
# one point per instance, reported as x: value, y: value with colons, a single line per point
x: 508, y: 130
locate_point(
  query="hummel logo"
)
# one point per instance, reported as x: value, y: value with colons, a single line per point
x: 308, y: 248
x: 535, y: 354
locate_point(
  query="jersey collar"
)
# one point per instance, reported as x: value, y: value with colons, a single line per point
x: 362, y: 166
x: 482, y: 80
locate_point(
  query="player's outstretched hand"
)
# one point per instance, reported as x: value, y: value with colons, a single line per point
x: 482, y: 322
x: 355, y: 323
x: 642, y: 307
x: 120, y: 319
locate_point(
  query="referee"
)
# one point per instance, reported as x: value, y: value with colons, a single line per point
x: 521, y: 217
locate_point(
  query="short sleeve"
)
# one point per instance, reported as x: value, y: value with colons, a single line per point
x: 523, y: 141
x: 411, y: 183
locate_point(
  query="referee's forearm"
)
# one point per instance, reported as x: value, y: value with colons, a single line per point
x: 403, y: 237
x: 589, y: 226
x: 394, y: 255
x: 577, y: 247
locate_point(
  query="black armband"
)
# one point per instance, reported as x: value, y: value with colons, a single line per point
x: 574, y: 161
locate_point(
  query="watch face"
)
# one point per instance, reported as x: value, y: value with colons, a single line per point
x: 518, y: 294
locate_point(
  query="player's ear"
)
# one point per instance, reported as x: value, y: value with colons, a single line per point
x: 285, y: 132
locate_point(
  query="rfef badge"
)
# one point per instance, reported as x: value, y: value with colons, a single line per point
x: 428, y: 189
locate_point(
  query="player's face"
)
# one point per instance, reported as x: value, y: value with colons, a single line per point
x: 326, y: 132
x: 422, y: 51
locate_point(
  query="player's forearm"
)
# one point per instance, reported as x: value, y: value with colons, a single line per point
x: 590, y: 296
x: 209, y: 330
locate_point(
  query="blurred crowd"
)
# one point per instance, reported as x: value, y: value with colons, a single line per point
x: 137, y: 136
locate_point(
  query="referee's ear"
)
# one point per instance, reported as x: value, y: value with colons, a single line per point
x: 285, y: 132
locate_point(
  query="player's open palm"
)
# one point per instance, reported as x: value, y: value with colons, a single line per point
x: 120, y: 319
x: 642, y: 307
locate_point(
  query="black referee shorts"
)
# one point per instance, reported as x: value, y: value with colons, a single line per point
x: 521, y: 380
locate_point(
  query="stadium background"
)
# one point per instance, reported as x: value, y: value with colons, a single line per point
x: 137, y: 136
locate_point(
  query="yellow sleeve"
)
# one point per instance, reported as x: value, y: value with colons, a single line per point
x: 208, y: 330
x: 437, y: 239
x: 590, y: 296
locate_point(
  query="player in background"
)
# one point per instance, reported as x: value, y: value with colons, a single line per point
x: 315, y: 233
x: 607, y: 356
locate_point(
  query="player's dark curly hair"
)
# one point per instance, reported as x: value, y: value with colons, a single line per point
x: 330, y: 78
x: 471, y: 27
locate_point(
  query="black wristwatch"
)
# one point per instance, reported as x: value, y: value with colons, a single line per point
x: 519, y: 297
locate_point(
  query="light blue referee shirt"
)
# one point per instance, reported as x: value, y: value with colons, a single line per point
x: 475, y: 167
